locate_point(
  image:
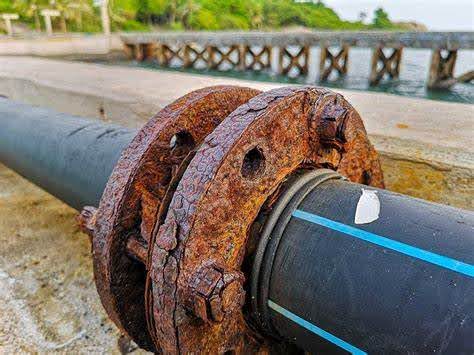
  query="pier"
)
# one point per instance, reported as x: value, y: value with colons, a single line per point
x: 254, y: 51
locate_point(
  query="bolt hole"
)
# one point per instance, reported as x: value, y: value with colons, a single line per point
x: 182, y: 142
x: 366, y: 177
x: 253, y: 164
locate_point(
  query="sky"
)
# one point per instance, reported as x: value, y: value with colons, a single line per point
x: 437, y: 15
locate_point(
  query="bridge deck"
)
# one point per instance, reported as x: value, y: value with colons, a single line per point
x: 431, y: 40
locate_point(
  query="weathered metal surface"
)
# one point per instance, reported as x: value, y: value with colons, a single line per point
x: 431, y: 40
x: 137, y: 186
x: 196, y: 254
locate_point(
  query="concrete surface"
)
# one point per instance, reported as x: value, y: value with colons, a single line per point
x: 60, y: 44
x: 48, y: 302
x: 390, y: 39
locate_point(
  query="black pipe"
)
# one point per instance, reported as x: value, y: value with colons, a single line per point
x: 70, y: 157
x: 402, y: 283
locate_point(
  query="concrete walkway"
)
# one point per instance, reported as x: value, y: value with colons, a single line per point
x: 48, y: 300
x: 59, y: 44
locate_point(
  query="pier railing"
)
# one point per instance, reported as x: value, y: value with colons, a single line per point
x: 254, y: 50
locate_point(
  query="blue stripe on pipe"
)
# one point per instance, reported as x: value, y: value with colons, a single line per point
x: 314, y: 329
x: 440, y: 260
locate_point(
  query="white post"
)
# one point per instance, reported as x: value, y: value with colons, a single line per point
x: 104, y: 14
x: 49, y: 27
x: 8, y: 22
x: 47, y: 14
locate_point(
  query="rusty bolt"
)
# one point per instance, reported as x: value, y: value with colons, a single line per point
x: 332, y: 120
x: 232, y: 297
x: 214, y: 293
x: 166, y: 238
x: 87, y: 219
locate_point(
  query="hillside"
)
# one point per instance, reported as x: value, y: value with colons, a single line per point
x: 136, y: 15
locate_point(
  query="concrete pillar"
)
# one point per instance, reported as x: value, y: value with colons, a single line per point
x: 47, y: 14
x: 330, y: 62
x: 441, y: 74
x: 8, y: 22
x: 49, y: 27
x: 390, y: 64
x: 104, y: 15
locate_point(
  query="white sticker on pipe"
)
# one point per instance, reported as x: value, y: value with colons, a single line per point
x: 368, y: 207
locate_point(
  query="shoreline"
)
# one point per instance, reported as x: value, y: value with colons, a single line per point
x: 411, y: 83
x: 389, y: 87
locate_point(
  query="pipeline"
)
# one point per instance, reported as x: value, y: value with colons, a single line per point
x: 327, y: 265
x: 70, y: 157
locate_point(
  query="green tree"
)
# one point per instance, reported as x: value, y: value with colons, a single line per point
x: 148, y: 10
x: 6, y: 6
x: 186, y: 10
x: 381, y: 20
x: 224, y: 14
x: 30, y: 9
x: 77, y: 13
x: 123, y: 15
x: 195, y: 14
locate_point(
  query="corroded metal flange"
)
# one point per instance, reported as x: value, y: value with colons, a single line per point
x: 121, y: 227
x: 197, y: 287
x: 170, y: 234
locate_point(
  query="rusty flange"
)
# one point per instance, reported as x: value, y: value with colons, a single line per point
x: 197, y: 287
x: 122, y: 225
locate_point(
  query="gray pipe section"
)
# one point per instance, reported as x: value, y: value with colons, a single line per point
x: 70, y: 157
